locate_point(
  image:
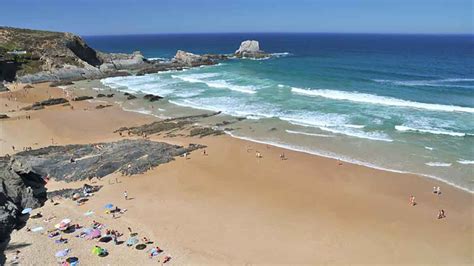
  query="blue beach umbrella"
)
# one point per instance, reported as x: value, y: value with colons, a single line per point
x: 62, y: 253
x: 109, y: 206
x: 27, y: 210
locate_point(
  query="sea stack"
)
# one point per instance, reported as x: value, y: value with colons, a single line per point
x: 250, y: 49
x: 191, y: 60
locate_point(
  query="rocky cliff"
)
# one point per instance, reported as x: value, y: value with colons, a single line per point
x: 36, y: 51
x: 20, y: 188
x: 32, y: 56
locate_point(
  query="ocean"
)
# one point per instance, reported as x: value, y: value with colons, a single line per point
x: 403, y: 103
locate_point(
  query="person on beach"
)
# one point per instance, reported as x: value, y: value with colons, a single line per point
x: 282, y: 156
x: 412, y: 200
x: 441, y: 214
x: 204, y: 152
x: 125, y: 195
x: 438, y: 191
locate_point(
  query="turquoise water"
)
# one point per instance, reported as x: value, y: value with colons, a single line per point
x: 399, y: 102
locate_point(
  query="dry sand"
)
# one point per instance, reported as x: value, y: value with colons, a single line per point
x: 231, y: 208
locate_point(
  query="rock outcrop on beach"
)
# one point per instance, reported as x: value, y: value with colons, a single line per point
x: 250, y: 49
x: 20, y: 188
x: 169, y: 125
x: 78, y: 162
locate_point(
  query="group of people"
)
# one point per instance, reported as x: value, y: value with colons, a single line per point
x: 436, y: 190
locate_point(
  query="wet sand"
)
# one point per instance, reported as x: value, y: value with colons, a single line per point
x: 231, y: 207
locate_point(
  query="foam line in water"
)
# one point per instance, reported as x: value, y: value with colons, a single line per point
x: 380, y: 100
x: 430, y: 131
x: 465, y: 162
x: 438, y: 164
x: 357, y: 134
x: 218, y: 84
x: 308, y: 134
x: 344, y: 159
x: 431, y: 83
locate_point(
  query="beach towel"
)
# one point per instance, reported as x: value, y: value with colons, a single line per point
x: 37, y: 229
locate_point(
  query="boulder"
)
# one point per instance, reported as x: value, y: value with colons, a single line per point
x: 190, y: 59
x: 82, y: 98
x: 250, y: 49
x: 116, y: 61
x: 152, y: 98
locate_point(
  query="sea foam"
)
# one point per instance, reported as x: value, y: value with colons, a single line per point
x: 219, y: 84
x: 450, y: 82
x: 438, y: 164
x: 465, y: 162
x: 430, y: 131
x: 380, y: 100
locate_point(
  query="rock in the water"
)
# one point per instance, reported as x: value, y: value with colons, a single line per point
x: 251, y: 49
x: 190, y: 59
x: 152, y: 98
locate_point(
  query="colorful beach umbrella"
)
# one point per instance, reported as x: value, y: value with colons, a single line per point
x: 109, y: 206
x: 95, y: 233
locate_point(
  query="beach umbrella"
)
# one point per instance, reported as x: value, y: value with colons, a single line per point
x: 66, y: 221
x: 72, y: 261
x: 62, y: 253
x: 87, y: 230
x: 27, y: 210
x: 76, y: 196
x: 132, y: 241
x: 93, y: 234
x: 89, y: 213
x: 109, y: 206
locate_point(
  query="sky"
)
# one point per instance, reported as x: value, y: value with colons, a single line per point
x: 104, y: 17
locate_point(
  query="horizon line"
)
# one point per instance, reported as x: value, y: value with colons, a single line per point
x: 274, y: 32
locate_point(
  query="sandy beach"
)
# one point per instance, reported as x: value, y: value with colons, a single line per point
x: 229, y: 207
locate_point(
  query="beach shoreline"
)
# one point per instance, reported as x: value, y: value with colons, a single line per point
x: 260, y: 206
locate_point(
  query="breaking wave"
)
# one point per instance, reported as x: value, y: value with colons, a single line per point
x: 451, y: 82
x: 380, y: 100
x: 430, y: 131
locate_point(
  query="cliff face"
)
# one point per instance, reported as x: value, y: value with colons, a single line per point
x: 43, y: 51
x: 20, y: 188
x: 32, y: 56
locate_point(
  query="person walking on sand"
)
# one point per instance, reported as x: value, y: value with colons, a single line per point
x: 412, y: 200
x: 125, y: 195
x: 441, y: 214
x: 438, y: 191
